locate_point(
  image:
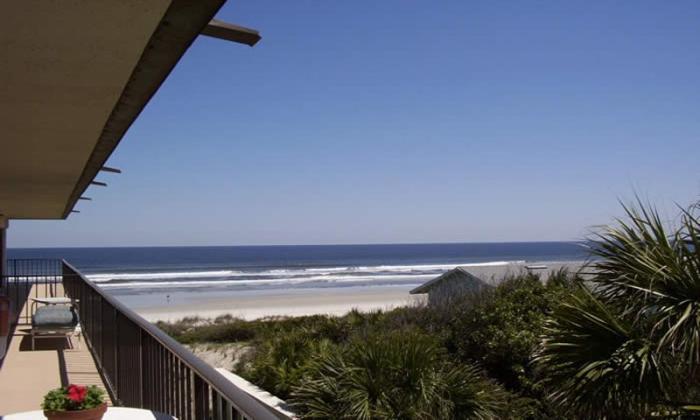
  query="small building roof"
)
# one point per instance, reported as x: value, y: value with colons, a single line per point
x: 457, y: 273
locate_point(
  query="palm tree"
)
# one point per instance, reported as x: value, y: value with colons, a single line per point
x: 598, y: 363
x: 656, y: 272
x: 627, y: 343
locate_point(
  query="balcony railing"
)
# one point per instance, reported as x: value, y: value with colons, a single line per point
x: 27, y: 278
x: 141, y: 366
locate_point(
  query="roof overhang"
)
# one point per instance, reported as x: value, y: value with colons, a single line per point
x: 75, y: 76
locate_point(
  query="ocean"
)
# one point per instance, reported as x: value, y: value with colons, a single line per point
x: 128, y: 271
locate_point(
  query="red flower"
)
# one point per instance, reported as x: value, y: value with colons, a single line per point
x: 77, y: 393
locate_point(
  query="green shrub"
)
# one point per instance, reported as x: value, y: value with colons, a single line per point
x: 177, y: 328
x: 497, y: 329
x: 597, y: 364
x: 222, y: 330
x: 500, y: 329
x: 394, y: 375
x: 628, y: 346
x: 279, y: 363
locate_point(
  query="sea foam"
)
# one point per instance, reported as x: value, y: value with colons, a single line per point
x: 280, y: 277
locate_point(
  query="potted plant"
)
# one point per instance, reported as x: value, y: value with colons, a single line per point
x: 74, y: 402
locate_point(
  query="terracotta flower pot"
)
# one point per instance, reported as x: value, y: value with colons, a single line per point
x: 91, y: 414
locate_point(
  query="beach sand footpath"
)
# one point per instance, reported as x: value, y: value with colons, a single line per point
x: 311, y: 301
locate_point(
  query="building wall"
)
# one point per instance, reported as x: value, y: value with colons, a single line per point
x: 448, y: 289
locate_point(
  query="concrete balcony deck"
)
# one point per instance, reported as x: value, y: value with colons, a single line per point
x: 26, y: 374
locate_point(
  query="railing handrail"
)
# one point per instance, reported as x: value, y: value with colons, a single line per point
x: 42, y: 275
x: 12, y: 276
x: 242, y: 400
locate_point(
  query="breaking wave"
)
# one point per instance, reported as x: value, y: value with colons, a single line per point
x: 282, y: 277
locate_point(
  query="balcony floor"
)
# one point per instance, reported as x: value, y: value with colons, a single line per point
x: 26, y: 375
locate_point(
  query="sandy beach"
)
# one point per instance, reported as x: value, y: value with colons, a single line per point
x: 307, y: 301
x: 252, y: 305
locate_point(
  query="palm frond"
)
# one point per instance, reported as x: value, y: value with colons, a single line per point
x: 596, y: 364
x: 399, y: 375
x: 653, y: 271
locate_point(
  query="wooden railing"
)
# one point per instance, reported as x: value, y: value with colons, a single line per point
x: 143, y: 367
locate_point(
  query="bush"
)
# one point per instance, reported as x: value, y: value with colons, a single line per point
x: 497, y: 329
x: 222, y: 330
x: 221, y: 333
x: 501, y: 329
x: 394, y: 375
x: 177, y: 328
x: 627, y: 345
x: 596, y: 363
x: 279, y: 363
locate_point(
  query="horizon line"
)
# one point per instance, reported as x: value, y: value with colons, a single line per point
x: 303, y: 245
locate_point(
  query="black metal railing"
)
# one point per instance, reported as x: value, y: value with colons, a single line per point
x: 144, y: 367
x: 30, y: 278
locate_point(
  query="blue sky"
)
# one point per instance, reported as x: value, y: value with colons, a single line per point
x: 407, y: 121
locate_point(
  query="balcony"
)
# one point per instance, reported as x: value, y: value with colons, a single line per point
x: 134, y: 361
